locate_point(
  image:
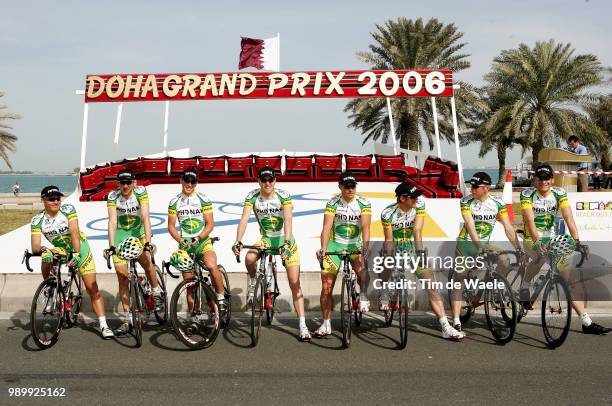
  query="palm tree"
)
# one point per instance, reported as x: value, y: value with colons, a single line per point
x: 599, y: 139
x: 7, y: 140
x: 544, y: 86
x: 495, y: 135
x: 408, y: 44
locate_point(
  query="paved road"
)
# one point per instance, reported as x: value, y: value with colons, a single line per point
x: 281, y: 370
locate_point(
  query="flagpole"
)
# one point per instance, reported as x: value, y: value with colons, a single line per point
x: 278, y: 53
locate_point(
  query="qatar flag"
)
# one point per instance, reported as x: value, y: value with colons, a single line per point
x: 260, y: 53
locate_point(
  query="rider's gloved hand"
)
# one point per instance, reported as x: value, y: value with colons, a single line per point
x: 110, y: 251
x: 75, y: 260
x: 149, y: 246
x: 236, y: 248
x: 539, y: 246
x: 285, y: 250
x: 46, y: 255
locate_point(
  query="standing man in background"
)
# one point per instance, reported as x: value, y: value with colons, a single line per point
x: 577, y: 148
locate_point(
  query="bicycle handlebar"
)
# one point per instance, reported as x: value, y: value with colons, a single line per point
x: 261, y: 249
x: 166, y: 267
x: 26, y: 259
x: 345, y: 253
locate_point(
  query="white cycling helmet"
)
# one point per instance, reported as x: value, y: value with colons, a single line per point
x: 181, y: 260
x: 130, y: 248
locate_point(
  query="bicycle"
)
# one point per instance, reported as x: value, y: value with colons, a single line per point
x: 556, y: 311
x: 266, y: 288
x: 349, y: 296
x: 398, y: 302
x: 140, y: 295
x: 194, y: 310
x: 53, y: 308
x: 495, y: 293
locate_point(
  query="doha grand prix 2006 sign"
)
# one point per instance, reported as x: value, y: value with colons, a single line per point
x: 255, y: 85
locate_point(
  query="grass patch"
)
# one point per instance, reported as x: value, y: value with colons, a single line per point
x: 13, y: 219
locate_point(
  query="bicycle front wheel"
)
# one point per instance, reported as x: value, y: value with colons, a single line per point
x: 257, y: 309
x: 194, y: 315
x: 46, y: 314
x: 346, y: 312
x: 136, y: 311
x: 402, y: 297
x: 556, y: 311
x: 500, y: 309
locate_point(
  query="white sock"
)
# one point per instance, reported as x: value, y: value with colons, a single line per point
x: 302, y: 322
x: 327, y: 324
x: 443, y: 322
x: 127, y: 316
x: 456, y: 321
x: 252, y: 281
x: 157, y: 290
x: 102, y: 322
x: 220, y: 296
x: 586, y: 319
x: 363, y: 296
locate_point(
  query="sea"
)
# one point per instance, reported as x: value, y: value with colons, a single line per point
x: 67, y: 183
x: 35, y: 183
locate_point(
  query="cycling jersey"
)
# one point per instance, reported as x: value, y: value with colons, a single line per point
x: 269, y: 214
x: 129, y: 215
x: 346, y: 228
x: 545, y: 209
x: 401, y: 222
x: 485, y: 215
x: 56, y: 231
x: 190, y: 211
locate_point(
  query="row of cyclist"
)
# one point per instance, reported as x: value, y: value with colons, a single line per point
x: 346, y: 227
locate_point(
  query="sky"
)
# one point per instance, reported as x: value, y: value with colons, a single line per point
x: 48, y: 47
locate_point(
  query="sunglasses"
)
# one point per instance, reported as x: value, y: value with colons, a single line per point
x: 349, y: 186
x: 267, y: 180
x: 126, y: 182
x: 190, y: 181
x: 53, y: 199
x: 475, y: 186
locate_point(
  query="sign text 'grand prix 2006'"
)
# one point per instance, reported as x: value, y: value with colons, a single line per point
x: 253, y: 85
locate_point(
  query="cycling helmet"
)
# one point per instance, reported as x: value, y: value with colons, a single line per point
x: 562, y: 245
x: 181, y: 260
x: 130, y: 248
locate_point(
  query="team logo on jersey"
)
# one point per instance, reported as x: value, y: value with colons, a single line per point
x: 128, y: 222
x: 483, y: 228
x: 347, y: 230
x: 545, y: 222
x: 271, y: 223
x: 62, y: 241
x: 402, y: 234
x: 192, y: 225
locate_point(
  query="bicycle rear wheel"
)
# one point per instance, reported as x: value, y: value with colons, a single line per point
x: 346, y: 312
x: 500, y: 309
x: 194, y: 315
x: 227, y: 292
x: 402, y: 298
x: 75, y: 296
x: 136, y: 311
x: 161, y: 315
x: 273, y: 293
x: 556, y: 311
x: 46, y: 314
x: 257, y: 309
x: 467, y: 310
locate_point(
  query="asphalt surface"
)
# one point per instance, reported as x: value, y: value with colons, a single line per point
x: 281, y: 370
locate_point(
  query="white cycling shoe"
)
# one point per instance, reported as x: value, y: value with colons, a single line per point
x: 450, y: 333
x: 364, y: 305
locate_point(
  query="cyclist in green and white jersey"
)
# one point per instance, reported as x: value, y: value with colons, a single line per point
x: 540, y: 205
x: 274, y: 213
x: 480, y: 211
x: 346, y: 225
x: 194, y: 213
x: 60, y: 226
x: 128, y: 216
x: 403, y: 228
